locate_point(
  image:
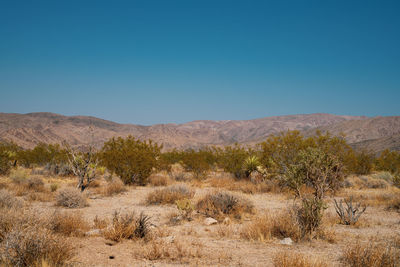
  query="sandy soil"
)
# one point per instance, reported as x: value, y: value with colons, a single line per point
x: 213, y: 248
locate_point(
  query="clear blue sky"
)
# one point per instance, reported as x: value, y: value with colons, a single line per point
x: 175, y: 61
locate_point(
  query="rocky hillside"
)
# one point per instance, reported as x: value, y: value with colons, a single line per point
x: 27, y: 130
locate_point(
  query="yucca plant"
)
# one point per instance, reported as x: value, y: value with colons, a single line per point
x: 251, y: 164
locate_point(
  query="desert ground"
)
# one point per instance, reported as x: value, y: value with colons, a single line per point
x: 179, y: 236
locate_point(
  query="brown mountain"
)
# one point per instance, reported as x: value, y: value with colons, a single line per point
x: 375, y: 134
x: 27, y: 130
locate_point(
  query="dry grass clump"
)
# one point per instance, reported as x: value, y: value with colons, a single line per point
x: 367, y: 182
x: 372, y: 197
x: 177, y: 251
x: 99, y: 223
x: 9, y: 201
x: 113, y: 188
x: 170, y: 195
x: 71, y: 198
x: 280, y: 226
x: 220, y: 204
x: 258, y: 230
x: 371, y: 255
x: 294, y: 259
x: 159, y: 180
x: 32, y: 245
x: 244, y: 186
x: 19, y: 175
x: 8, y: 219
x: 68, y: 223
x: 3, y: 185
x: 128, y: 226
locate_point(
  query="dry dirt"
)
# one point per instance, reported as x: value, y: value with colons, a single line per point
x: 215, y: 245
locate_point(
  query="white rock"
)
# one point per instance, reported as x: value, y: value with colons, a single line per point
x: 286, y: 241
x: 210, y: 221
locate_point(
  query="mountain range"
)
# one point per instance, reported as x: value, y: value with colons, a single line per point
x: 27, y: 130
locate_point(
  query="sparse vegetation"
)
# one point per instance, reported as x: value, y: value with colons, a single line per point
x: 71, y: 198
x: 9, y: 201
x: 295, y: 259
x: 350, y: 214
x: 288, y: 191
x: 169, y: 195
x: 221, y: 204
x: 67, y: 223
x: 128, y: 226
x: 371, y: 255
x: 131, y: 159
x: 30, y: 246
x: 114, y: 187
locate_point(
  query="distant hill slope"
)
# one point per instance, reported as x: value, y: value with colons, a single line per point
x: 27, y: 130
x: 375, y: 134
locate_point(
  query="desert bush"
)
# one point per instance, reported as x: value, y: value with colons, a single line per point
x: 197, y: 162
x: 232, y: 158
x: 185, y: 208
x: 114, y: 187
x: 5, y: 163
x: 285, y: 224
x: 321, y: 171
x: 258, y: 230
x: 41, y: 155
x: 131, y: 159
x: 36, y: 184
x: 220, y: 204
x: 71, y: 198
x: 159, y: 180
x: 169, y: 195
x: 309, y: 215
x: 280, y: 151
x: 19, y: 175
x: 9, y: 201
x: 371, y: 182
x: 371, y: 255
x: 388, y: 161
x: 29, y: 246
x: 180, y: 177
x: 350, y: 214
x: 67, y: 223
x: 9, y: 218
x: 361, y: 163
x: 244, y: 186
x: 99, y: 223
x: 59, y: 169
x: 8, y: 157
x: 295, y: 259
x: 394, y: 204
x: 128, y: 226
x: 383, y: 175
x: 54, y: 187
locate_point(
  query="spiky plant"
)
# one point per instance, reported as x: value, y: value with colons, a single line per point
x: 251, y: 164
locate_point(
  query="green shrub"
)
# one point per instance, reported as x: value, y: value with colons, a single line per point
x: 131, y: 159
x: 232, y: 158
x: 197, y: 162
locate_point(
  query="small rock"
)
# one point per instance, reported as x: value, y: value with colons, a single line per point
x: 93, y: 232
x: 210, y: 221
x: 286, y: 241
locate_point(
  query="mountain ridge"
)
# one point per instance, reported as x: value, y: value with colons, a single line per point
x: 29, y: 129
